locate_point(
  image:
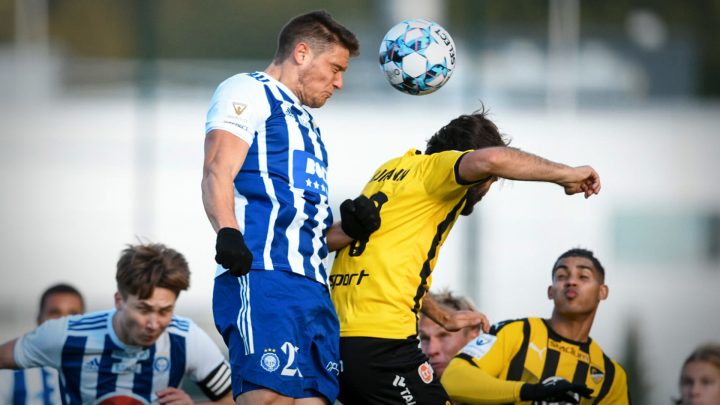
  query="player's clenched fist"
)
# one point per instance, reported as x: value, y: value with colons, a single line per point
x: 359, y: 217
x: 232, y: 253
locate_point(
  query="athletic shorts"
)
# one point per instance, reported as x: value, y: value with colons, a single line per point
x: 387, y: 371
x: 282, y: 333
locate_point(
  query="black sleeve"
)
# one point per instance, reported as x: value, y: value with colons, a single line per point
x: 217, y: 384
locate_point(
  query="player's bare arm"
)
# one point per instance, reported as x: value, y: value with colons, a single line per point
x: 224, y: 156
x: 337, y: 238
x: 514, y: 164
x: 7, y: 358
x: 453, y: 320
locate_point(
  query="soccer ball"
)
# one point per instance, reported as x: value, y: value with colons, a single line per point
x: 417, y: 56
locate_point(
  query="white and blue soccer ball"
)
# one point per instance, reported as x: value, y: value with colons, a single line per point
x: 417, y: 56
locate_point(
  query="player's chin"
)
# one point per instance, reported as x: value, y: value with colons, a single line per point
x: 319, y: 102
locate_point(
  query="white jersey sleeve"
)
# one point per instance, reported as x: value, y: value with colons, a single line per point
x: 43, y: 346
x: 206, y: 364
x: 238, y: 106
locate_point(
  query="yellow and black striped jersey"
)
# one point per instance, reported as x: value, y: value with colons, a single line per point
x: 529, y: 351
x: 378, y: 285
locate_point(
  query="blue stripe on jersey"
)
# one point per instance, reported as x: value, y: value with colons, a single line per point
x: 88, y: 322
x: 180, y: 324
x: 277, y: 164
x: 107, y: 379
x: 19, y: 388
x: 71, y: 363
x: 143, y: 381
x: 47, y: 387
x: 259, y: 77
x: 177, y: 359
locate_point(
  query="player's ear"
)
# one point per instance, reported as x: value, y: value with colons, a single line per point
x: 301, y: 53
x: 604, y: 291
x: 118, y: 300
x: 550, y: 292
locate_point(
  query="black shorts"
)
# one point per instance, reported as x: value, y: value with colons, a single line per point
x: 387, y: 371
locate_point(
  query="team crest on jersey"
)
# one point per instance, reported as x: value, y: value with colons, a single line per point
x: 269, y: 360
x: 596, y: 374
x: 426, y: 373
x: 161, y: 364
x: 239, y: 107
x: 333, y: 368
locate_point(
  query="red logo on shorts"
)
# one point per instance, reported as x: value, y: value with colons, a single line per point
x: 426, y: 372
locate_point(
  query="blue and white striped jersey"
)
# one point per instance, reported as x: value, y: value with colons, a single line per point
x: 281, y: 192
x: 95, y: 366
x: 32, y: 386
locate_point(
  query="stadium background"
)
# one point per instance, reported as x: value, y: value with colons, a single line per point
x: 102, y: 106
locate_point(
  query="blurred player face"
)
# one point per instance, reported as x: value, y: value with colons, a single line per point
x: 576, y: 289
x: 60, y: 304
x: 140, y: 322
x: 440, y: 345
x: 475, y: 194
x: 320, y: 74
x: 700, y: 383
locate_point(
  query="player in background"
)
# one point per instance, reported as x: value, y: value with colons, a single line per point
x: 265, y: 193
x: 552, y: 360
x: 39, y: 385
x: 437, y: 343
x: 385, y: 277
x: 138, y: 352
x: 700, y: 377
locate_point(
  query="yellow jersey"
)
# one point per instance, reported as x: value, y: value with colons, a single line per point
x: 493, y: 367
x: 378, y: 285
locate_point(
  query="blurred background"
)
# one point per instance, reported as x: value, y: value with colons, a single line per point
x: 102, y: 111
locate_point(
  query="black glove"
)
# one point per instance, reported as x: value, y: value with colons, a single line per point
x: 555, y: 389
x: 360, y: 217
x: 231, y: 252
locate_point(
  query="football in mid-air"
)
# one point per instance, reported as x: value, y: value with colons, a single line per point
x: 417, y: 56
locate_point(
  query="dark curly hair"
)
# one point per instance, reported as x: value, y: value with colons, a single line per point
x: 467, y: 132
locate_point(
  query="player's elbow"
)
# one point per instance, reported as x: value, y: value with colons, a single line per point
x: 482, y: 163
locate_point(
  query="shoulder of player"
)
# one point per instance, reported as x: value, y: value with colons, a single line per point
x: 88, y: 322
x: 181, y: 324
x: 509, y: 324
x: 619, y: 370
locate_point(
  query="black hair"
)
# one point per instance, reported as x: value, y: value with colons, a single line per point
x: 579, y: 252
x: 466, y: 132
x: 59, y: 289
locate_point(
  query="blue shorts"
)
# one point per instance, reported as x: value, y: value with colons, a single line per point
x: 282, y: 332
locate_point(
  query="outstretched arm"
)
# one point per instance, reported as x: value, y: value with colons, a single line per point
x: 224, y: 156
x: 453, y: 320
x: 7, y: 357
x: 514, y: 164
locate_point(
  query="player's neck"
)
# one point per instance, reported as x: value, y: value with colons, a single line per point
x: 284, y: 74
x: 573, y: 328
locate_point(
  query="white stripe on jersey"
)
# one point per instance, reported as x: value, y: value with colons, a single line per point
x: 244, y: 320
x: 261, y: 141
